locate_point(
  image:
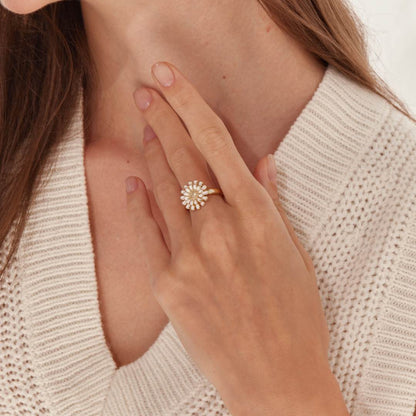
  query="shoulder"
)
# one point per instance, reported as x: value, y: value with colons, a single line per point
x: 397, y: 124
x: 393, y: 147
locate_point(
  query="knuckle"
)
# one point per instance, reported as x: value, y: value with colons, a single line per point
x: 166, y: 188
x: 211, y: 227
x: 185, y: 252
x: 212, y: 235
x: 252, y: 194
x: 188, y: 265
x: 254, y: 205
x: 180, y: 157
x: 161, y: 114
x: 258, y: 227
x: 213, y: 138
x: 183, y: 99
x: 212, y: 130
x: 250, y: 209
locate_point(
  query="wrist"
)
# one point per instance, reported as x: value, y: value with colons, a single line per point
x: 323, y: 398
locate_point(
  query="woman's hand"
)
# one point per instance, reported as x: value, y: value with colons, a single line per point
x: 235, y: 282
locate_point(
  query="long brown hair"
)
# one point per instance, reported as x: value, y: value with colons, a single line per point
x: 44, y: 57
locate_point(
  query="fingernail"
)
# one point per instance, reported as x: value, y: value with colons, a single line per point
x: 131, y: 184
x: 143, y: 98
x: 271, y: 168
x: 148, y: 134
x: 163, y: 73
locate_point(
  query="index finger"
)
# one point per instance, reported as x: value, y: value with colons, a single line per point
x: 206, y: 129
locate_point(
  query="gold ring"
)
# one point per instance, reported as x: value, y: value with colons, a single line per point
x: 195, y: 194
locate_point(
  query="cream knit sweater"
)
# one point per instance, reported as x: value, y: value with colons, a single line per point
x: 347, y: 180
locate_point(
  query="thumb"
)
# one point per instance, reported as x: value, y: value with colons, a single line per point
x: 266, y: 173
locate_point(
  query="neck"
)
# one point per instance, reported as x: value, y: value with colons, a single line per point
x: 254, y: 76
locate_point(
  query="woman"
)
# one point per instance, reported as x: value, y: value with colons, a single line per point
x: 292, y: 291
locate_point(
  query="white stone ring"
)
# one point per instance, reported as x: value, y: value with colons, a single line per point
x: 195, y: 194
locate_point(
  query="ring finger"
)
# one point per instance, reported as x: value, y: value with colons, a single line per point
x: 166, y: 189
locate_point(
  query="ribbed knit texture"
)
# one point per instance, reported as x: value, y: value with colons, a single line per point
x: 347, y: 181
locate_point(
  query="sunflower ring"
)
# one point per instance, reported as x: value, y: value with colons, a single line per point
x: 195, y: 194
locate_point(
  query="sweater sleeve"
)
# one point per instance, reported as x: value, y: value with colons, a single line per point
x: 388, y: 386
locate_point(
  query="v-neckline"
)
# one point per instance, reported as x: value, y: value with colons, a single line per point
x: 60, y: 292
x: 59, y: 283
x: 168, y: 330
x: 162, y: 348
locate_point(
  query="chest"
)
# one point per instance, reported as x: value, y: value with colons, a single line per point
x: 131, y: 317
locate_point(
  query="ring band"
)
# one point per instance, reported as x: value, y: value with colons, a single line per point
x: 195, y: 194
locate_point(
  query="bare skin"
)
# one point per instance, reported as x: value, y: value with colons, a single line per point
x: 247, y: 101
x: 237, y: 285
x: 251, y: 73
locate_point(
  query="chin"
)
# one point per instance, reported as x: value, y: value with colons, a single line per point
x: 24, y: 6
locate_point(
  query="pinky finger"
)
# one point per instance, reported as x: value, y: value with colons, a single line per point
x: 152, y: 243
